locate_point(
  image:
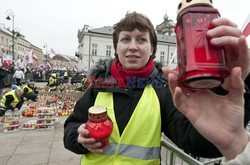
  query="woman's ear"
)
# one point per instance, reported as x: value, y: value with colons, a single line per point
x: 116, y: 55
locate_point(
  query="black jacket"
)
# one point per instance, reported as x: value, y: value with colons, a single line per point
x: 8, y: 101
x: 174, y: 125
x: 3, y: 74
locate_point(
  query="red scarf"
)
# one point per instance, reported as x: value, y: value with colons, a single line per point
x: 120, y: 74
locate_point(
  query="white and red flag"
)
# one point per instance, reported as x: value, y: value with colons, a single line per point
x: 52, y: 53
x: 29, y: 56
x: 35, y: 58
x: 246, y: 26
x: 48, y: 65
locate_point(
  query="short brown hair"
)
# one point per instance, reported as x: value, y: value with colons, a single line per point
x: 134, y: 21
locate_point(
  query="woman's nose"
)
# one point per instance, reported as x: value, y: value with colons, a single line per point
x: 133, y: 45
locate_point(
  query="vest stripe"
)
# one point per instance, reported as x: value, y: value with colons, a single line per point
x: 138, y: 152
x: 133, y: 151
x: 110, y: 149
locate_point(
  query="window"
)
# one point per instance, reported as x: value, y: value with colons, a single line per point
x: 1, y: 41
x: 94, y: 49
x: 162, y: 56
x: 172, y: 55
x: 7, y: 42
x: 108, y: 51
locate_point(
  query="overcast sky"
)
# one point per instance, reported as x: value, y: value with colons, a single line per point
x: 56, y: 22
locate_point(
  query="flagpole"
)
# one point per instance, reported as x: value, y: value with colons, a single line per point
x: 46, y: 54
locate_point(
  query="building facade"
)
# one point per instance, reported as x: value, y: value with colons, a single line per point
x: 6, y: 42
x: 63, y: 62
x: 166, y: 27
x: 94, y: 44
x: 21, y: 46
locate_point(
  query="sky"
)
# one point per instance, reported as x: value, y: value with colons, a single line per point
x: 55, y: 23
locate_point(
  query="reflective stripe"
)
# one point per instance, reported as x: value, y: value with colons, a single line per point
x: 138, y: 152
x: 143, y: 153
x: 110, y: 149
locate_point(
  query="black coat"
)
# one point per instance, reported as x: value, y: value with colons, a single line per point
x: 3, y: 74
x: 174, y: 125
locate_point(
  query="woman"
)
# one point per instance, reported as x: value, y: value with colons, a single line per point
x: 141, y: 113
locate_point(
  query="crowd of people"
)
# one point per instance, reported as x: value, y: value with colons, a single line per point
x: 22, y: 87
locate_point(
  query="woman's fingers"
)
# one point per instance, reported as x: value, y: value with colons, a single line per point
x: 236, y: 87
x: 83, y: 136
x: 244, y: 57
x: 172, y: 78
x: 83, y: 131
x: 224, y: 30
x: 89, y: 143
x: 223, y: 21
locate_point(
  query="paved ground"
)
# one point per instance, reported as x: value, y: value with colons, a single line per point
x: 33, y: 147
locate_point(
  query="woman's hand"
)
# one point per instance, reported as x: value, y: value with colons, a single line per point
x: 226, y: 34
x: 218, y: 118
x: 89, y: 143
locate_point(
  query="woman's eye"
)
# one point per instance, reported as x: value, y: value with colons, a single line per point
x: 142, y: 40
x: 124, y: 39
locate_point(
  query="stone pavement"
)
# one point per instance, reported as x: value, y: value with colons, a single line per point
x: 36, y: 147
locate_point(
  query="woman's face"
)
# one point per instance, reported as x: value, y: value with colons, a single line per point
x: 134, y: 49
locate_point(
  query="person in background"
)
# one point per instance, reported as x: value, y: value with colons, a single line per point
x: 30, y: 91
x: 12, y: 100
x: 19, y: 75
x: 52, y: 83
x: 143, y: 104
x: 15, y: 87
x: 66, y: 76
x: 3, y: 74
x: 84, y: 83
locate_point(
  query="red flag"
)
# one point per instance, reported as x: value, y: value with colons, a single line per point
x: 35, y: 58
x: 48, y: 65
x: 246, y: 31
x: 246, y: 26
x: 29, y: 56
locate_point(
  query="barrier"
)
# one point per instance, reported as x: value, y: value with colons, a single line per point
x: 173, y: 155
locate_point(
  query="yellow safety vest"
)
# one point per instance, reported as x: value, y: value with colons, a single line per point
x: 29, y: 89
x: 66, y: 74
x: 13, y: 103
x: 54, y: 74
x: 52, y: 81
x: 139, y: 143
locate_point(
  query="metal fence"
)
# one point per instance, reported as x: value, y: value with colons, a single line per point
x: 173, y: 155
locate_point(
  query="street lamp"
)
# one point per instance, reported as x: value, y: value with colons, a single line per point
x: 46, y: 53
x: 9, y: 14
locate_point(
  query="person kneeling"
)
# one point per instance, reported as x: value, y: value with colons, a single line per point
x: 12, y: 100
x: 30, y: 92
